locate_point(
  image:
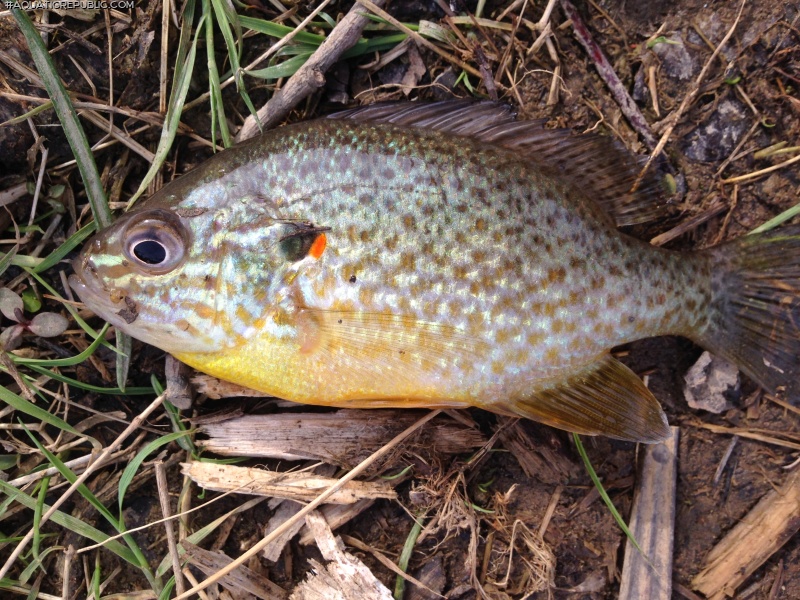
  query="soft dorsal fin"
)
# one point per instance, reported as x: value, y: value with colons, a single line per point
x: 597, y: 165
x: 605, y: 398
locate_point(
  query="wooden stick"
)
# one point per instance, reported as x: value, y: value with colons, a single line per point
x: 311, y: 76
x: 609, y: 76
x: 767, y: 527
x: 342, y: 438
x: 648, y: 574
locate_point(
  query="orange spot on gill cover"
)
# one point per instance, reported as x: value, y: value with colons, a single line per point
x: 318, y: 247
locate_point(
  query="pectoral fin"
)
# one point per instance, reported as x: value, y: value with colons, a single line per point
x: 385, y: 355
x: 605, y: 398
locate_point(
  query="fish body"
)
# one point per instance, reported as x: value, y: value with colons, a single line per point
x: 375, y: 261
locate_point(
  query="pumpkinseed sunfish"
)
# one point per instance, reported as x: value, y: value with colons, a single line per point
x: 435, y: 255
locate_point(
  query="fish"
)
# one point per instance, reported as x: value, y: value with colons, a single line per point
x: 436, y: 255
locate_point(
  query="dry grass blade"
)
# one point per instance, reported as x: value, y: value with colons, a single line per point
x: 363, y: 466
x: 760, y: 172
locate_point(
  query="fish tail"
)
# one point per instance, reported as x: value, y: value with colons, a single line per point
x: 755, y: 308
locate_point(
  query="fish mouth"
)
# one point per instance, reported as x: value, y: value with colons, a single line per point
x: 86, y: 284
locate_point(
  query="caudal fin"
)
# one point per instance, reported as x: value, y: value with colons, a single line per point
x: 755, y: 320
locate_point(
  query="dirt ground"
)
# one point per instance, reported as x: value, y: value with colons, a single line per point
x: 748, y: 100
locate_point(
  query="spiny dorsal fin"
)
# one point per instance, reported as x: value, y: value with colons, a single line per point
x: 601, y: 168
x: 605, y: 398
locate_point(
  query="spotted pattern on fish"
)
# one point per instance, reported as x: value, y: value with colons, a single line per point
x: 454, y: 272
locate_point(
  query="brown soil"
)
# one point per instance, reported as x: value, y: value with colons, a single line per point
x: 750, y: 95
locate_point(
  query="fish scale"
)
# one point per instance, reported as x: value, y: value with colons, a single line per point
x: 472, y: 263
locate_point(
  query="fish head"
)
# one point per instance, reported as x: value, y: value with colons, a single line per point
x: 187, y: 280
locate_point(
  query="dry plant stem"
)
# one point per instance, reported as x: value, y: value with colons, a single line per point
x: 759, y: 173
x: 311, y: 76
x: 360, y: 468
x: 72, y: 464
x: 672, y: 120
x: 769, y: 525
x: 69, y: 556
x: 648, y: 574
x: 166, y: 510
x: 166, y: 10
x: 419, y: 39
x: 689, y: 224
x: 609, y: 76
x: 101, y: 459
x: 551, y: 509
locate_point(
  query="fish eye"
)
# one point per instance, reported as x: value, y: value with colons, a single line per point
x: 154, y: 243
x: 151, y: 252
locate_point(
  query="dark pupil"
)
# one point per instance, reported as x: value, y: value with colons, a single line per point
x: 150, y: 252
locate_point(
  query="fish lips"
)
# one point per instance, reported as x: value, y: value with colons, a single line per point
x: 96, y: 295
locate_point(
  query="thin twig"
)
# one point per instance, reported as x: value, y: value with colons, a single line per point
x: 609, y: 76
x: 166, y: 510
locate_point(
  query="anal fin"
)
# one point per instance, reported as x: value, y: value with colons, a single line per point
x: 604, y: 398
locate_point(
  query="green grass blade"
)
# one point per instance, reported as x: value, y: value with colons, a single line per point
x: 64, y: 362
x: 71, y: 523
x: 604, y: 495
x: 132, y: 391
x: 405, y: 556
x: 5, y: 262
x: 279, y: 31
x: 31, y: 113
x: 187, y: 52
x: 68, y: 246
x: 781, y: 218
x: 89, y: 496
x: 376, y: 44
x: 24, y: 406
x: 214, y: 89
x: 44, y: 485
x: 286, y: 69
x: 130, y: 471
x: 68, y: 118
x: 166, y: 593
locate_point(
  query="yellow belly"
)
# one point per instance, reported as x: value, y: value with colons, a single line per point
x: 334, y: 375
